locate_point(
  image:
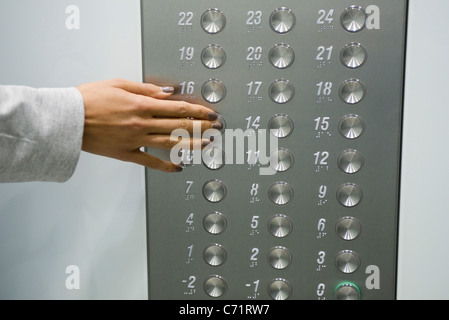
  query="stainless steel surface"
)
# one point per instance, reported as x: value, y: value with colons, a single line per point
x: 279, y: 258
x: 347, y: 291
x: 281, y: 91
x: 350, y: 161
x: 280, y: 226
x: 215, y: 286
x: 349, y: 195
x: 213, y: 157
x: 282, y: 160
x: 215, y: 255
x: 214, y: 191
x: 352, y: 91
x: 281, y: 56
x: 348, y: 228
x: 280, y: 193
x: 281, y: 125
x: 279, y: 289
x: 213, y: 21
x: 351, y: 126
x: 353, y: 55
x: 347, y: 261
x: 215, y: 223
x: 300, y: 104
x: 282, y: 20
x: 353, y: 19
x: 213, y: 56
x: 213, y: 91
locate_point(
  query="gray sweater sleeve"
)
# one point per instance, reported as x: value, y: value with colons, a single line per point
x: 41, y: 133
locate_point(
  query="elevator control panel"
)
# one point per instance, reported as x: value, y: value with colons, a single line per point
x: 297, y: 196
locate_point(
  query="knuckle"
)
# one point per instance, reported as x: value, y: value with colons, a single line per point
x: 139, y: 103
x: 183, y: 124
x: 136, y: 123
x: 182, y: 110
x: 168, y: 144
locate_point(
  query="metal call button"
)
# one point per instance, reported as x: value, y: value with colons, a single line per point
x: 353, y: 19
x: 279, y: 258
x: 280, y: 226
x: 350, y: 161
x: 279, y: 289
x: 282, y: 20
x: 347, y: 261
x: 215, y: 223
x: 281, y: 91
x: 348, y: 228
x: 349, y: 195
x: 353, y: 56
x: 214, y: 191
x: 281, y: 56
x: 351, y: 126
x: 281, y: 160
x: 215, y: 286
x: 347, y: 291
x: 213, y: 21
x: 281, y: 126
x: 352, y: 91
x: 213, y: 56
x: 213, y: 158
x: 213, y: 91
x: 280, y: 193
x: 215, y: 255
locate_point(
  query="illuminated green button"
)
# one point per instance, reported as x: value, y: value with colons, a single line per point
x: 347, y: 291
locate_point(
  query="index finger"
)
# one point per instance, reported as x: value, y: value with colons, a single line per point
x: 179, y: 109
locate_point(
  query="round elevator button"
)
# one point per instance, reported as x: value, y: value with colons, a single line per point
x: 215, y: 286
x: 281, y: 160
x: 281, y: 56
x: 353, y: 56
x: 280, y: 193
x: 279, y: 289
x: 279, y: 258
x: 353, y: 19
x: 352, y: 91
x: 214, y: 191
x: 214, y: 255
x: 213, y: 158
x: 351, y: 126
x: 282, y: 20
x: 280, y: 226
x: 347, y: 291
x: 281, y: 126
x: 213, y: 56
x: 213, y: 21
x: 281, y: 91
x: 350, y: 161
x: 215, y: 223
x: 347, y: 261
x: 213, y: 91
x: 349, y: 195
x: 348, y: 228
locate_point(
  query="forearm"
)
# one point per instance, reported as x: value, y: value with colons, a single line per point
x: 40, y: 133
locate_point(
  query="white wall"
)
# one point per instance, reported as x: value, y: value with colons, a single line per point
x: 424, y: 216
x: 95, y: 221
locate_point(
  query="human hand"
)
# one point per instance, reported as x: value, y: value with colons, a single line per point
x: 122, y: 116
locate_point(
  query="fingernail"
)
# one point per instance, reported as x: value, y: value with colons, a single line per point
x: 178, y: 169
x: 217, y: 125
x: 213, y: 116
x: 168, y: 89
